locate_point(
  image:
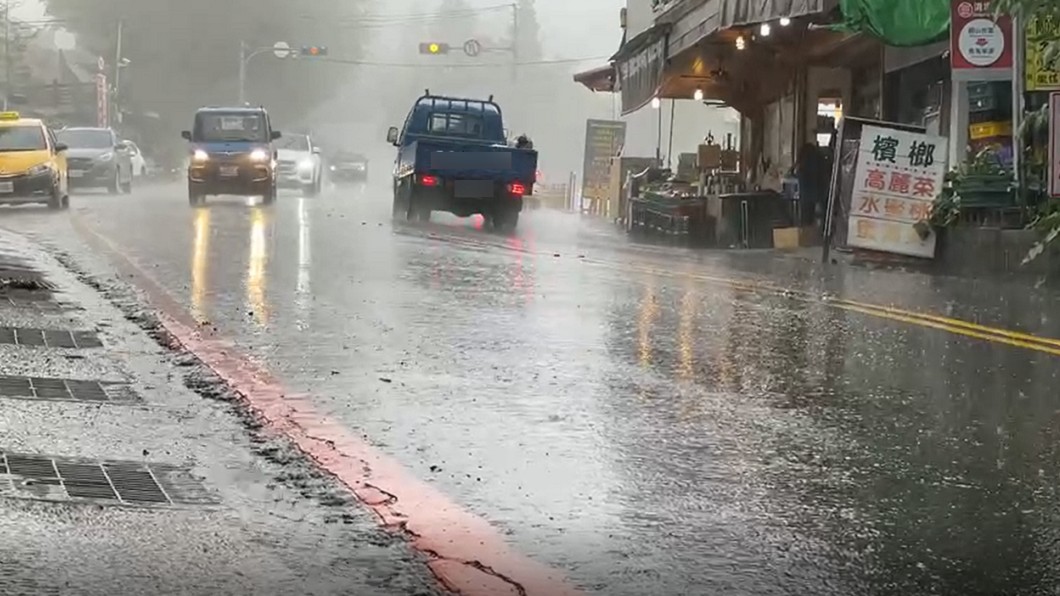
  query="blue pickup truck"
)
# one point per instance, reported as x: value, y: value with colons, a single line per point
x: 453, y: 156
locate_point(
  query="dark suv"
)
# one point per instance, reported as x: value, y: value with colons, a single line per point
x: 97, y: 158
x: 232, y: 153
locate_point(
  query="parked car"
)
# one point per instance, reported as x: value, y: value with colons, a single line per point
x: 96, y: 158
x: 139, y: 163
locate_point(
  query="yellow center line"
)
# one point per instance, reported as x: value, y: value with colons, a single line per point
x: 955, y: 326
x: 992, y: 337
x: 956, y: 323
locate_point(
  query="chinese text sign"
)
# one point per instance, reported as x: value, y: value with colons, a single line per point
x: 898, y: 176
x: 603, y: 140
x: 977, y: 40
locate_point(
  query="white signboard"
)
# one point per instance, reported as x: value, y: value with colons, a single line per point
x: 898, y: 176
x: 1054, y: 145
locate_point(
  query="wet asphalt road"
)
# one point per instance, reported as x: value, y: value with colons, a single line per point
x: 624, y: 413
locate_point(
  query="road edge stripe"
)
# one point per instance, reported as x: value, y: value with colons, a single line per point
x: 466, y: 554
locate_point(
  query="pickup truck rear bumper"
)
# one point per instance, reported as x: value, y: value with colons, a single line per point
x: 444, y: 199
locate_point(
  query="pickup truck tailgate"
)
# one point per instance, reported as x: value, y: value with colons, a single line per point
x: 474, y: 161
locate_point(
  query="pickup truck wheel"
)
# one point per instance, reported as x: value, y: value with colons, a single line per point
x: 505, y: 220
x: 401, y: 201
x: 414, y: 208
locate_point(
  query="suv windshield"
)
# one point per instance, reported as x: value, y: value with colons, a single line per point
x: 293, y: 143
x: 86, y: 138
x: 22, y: 138
x: 232, y: 126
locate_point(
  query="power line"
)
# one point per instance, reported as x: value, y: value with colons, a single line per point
x: 482, y: 65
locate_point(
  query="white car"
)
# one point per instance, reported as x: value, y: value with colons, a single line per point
x: 139, y: 163
x: 299, y: 164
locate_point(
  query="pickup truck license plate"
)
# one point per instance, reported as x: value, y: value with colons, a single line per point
x: 473, y: 189
x: 76, y: 173
x: 229, y: 171
x: 7, y: 187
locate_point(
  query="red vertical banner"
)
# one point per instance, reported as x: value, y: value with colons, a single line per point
x: 102, y: 107
x: 977, y: 40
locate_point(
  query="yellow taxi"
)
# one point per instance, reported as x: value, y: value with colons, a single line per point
x: 32, y: 163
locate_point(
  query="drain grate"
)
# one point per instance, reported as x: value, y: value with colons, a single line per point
x: 37, y: 388
x: 115, y: 482
x: 49, y: 338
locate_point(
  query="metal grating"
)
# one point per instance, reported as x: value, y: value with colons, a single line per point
x: 49, y: 338
x: 37, y: 388
x: 115, y: 482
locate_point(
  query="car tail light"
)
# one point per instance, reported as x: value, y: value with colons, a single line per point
x: 429, y: 180
x: 516, y: 189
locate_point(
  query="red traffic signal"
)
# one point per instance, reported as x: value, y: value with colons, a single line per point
x: 314, y: 51
x: 434, y: 47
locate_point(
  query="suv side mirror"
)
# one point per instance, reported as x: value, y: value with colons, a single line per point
x: 60, y: 147
x: 275, y: 135
x: 186, y: 134
x: 392, y: 135
x: 316, y: 150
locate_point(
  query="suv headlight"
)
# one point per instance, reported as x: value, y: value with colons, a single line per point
x: 259, y: 155
x: 39, y: 170
x: 200, y: 156
x: 106, y: 156
x: 305, y: 165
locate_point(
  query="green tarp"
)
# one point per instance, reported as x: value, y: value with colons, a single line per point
x: 897, y: 22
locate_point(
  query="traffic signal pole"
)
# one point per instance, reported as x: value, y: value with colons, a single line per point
x: 242, y: 72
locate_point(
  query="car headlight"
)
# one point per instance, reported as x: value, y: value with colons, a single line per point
x: 332, y: 168
x: 200, y: 155
x: 259, y: 155
x: 305, y: 165
x: 39, y: 170
x: 106, y: 156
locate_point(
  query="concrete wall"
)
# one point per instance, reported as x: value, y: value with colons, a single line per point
x: 992, y: 251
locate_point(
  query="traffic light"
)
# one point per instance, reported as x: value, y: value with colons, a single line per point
x: 314, y: 51
x: 434, y: 47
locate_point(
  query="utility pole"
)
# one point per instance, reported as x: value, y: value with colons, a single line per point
x: 7, y: 54
x: 117, y: 72
x: 242, y: 72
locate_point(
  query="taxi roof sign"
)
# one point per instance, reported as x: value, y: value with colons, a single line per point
x: 10, y: 116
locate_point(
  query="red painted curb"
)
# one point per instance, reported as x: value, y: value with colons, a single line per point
x: 465, y: 553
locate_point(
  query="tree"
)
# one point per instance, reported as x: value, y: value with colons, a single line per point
x: 1035, y: 122
x: 528, y: 38
x: 185, y: 53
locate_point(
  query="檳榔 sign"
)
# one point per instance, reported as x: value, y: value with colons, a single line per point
x: 897, y: 177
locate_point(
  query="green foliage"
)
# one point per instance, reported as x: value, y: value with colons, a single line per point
x: 985, y: 165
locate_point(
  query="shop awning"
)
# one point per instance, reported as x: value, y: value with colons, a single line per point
x: 640, y: 64
x: 693, y: 23
x: 898, y: 22
x: 601, y: 79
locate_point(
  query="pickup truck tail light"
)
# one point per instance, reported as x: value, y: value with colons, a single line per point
x: 429, y: 180
x: 516, y: 189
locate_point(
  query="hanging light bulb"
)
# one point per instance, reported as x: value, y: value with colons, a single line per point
x: 765, y: 30
x: 698, y: 95
x: 785, y: 21
x: 656, y: 103
x: 741, y: 43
